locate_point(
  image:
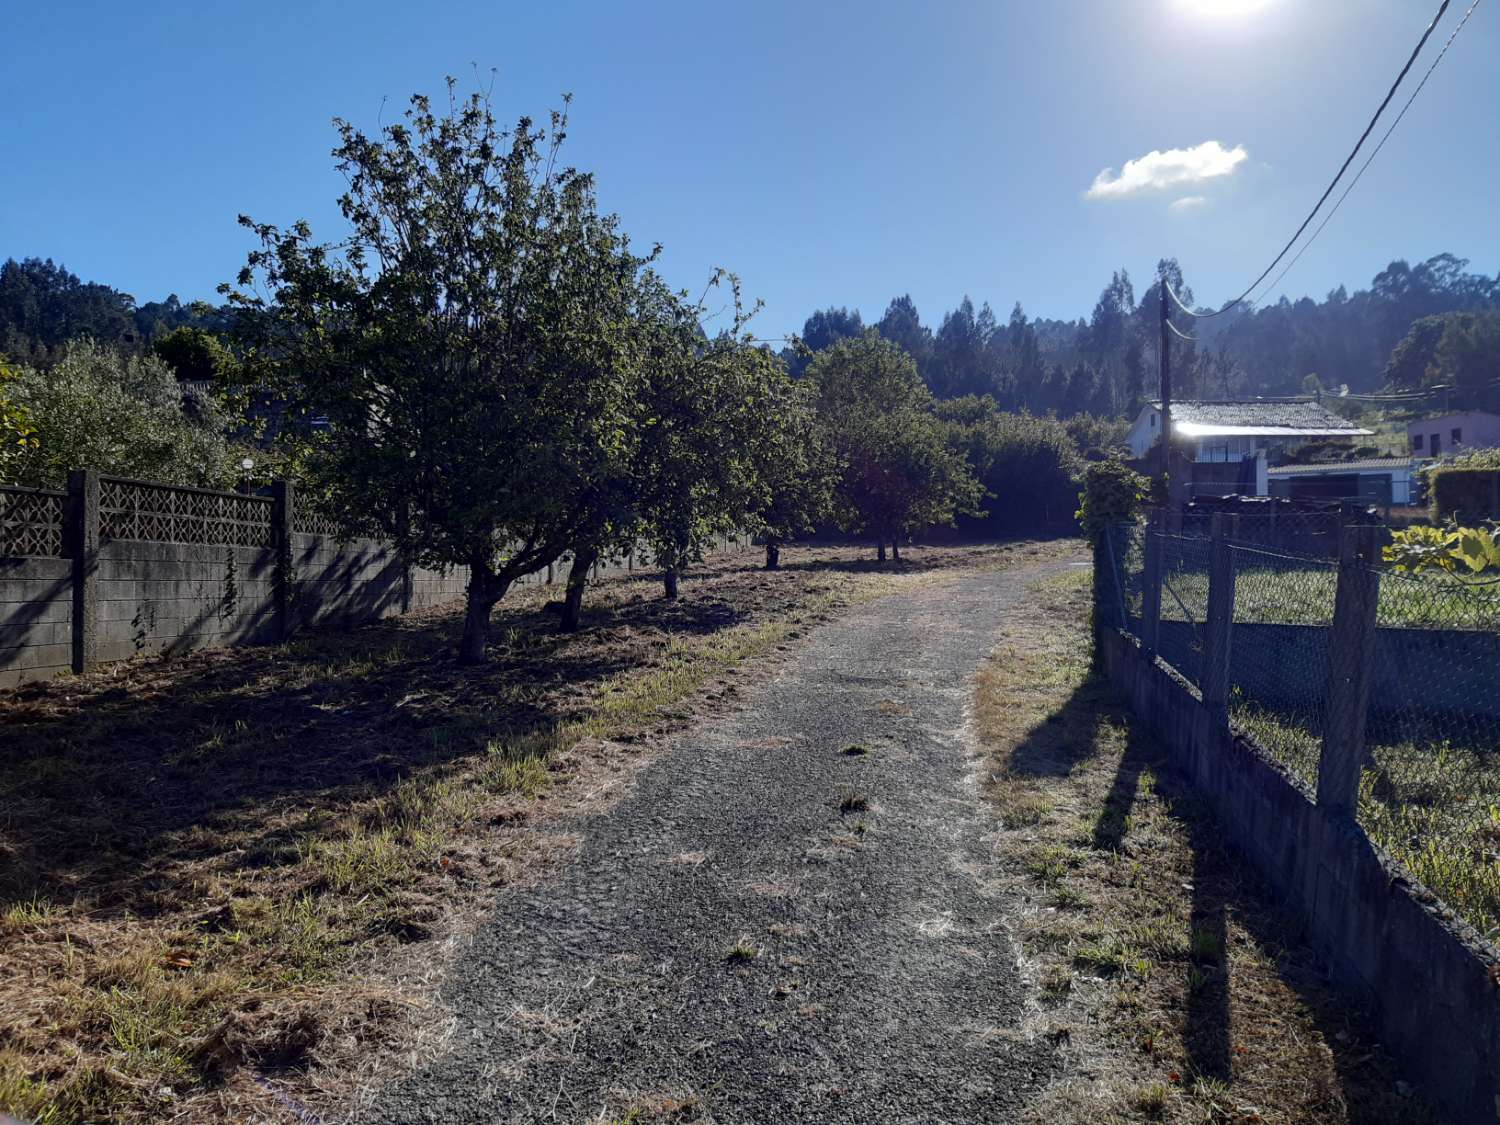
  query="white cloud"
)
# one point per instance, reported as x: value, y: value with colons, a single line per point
x: 1188, y: 202
x: 1171, y: 168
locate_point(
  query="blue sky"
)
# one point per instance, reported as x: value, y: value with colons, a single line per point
x: 830, y: 153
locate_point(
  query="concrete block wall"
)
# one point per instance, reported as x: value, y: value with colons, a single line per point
x: 1428, y: 979
x: 177, y: 597
x: 36, y: 619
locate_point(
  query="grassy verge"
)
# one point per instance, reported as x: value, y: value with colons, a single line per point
x: 1162, y: 969
x: 207, y: 864
x: 1431, y: 800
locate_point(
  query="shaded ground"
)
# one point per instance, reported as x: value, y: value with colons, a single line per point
x: 201, y: 858
x: 787, y: 919
x: 1181, y: 991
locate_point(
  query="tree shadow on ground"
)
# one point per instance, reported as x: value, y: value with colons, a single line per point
x: 118, y: 786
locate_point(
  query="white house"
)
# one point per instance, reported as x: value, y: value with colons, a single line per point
x: 1453, y: 433
x: 1232, y: 429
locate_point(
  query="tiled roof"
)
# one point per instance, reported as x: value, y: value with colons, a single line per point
x: 1281, y: 414
x: 1368, y: 465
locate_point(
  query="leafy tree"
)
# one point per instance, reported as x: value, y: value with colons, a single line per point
x: 464, y: 341
x: 98, y: 409
x: 799, y: 469
x: 822, y: 330
x: 17, y: 434
x: 900, y: 473
x: 195, y: 354
x: 711, y: 409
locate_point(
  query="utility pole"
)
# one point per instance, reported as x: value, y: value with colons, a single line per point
x: 1166, y: 377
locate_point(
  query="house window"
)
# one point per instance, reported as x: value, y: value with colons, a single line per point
x: 1457, y: 435
x: 1436, y: 445
x: 1416, y: 441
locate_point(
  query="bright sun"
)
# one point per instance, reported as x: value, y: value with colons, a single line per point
x: 1223, y: 7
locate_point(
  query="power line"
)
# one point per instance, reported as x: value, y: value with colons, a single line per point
x: 1391, y: 93
x: 1360, y: 174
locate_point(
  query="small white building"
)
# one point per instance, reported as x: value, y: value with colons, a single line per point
x: 1233, y: 429
x: 1453, y: 433
x: 1376, y: 480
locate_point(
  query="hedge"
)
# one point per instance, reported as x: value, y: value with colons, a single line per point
x: 1468, y: 494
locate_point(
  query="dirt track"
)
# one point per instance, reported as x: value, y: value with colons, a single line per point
x: 772, y: 926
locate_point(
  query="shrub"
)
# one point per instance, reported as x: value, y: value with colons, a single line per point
x: 1461, y: 492
x: 1028, y: 464
x: 1112, y: 493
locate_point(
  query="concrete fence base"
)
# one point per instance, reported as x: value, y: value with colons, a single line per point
x: 1427, y: 978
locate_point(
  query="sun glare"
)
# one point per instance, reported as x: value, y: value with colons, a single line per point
x: 1223, y: 7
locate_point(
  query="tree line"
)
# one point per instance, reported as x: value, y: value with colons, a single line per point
x: 1106, y: 365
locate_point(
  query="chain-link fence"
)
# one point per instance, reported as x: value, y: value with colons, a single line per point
x: 1184, y: 603
x: 1430, y: 761
x: 1430, y: 790
x: 1278, y: 656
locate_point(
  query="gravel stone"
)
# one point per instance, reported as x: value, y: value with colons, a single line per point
x: 730, y: 946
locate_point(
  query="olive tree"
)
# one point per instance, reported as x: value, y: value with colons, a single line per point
x: 463, y: 340
x: 97, y: 408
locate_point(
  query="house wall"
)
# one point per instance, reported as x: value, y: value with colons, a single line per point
x: 1479, y: 429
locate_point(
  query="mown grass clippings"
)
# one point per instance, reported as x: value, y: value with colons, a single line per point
x: 1190, y: 998
x: 200, y: 853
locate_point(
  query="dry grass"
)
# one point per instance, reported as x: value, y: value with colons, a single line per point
x: 1181, y: 993
x: 208, y: 864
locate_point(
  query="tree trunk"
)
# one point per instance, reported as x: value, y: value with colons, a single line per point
x: 896, y: 550
x: 669, y: 580
x: 773, y: 554
x: 471, y: 648
x: 578, y: 577
x: 486, y: 588
x: 880, y: 550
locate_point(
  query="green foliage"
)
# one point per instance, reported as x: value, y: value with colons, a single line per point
x: 1464, y: 490
x: 503, y: 380
x: 17, y: 434
x: 98, y: 409
x: 1028, y: 465
x: 1112, y: 493
x: 1096, y: 435
x: 195, y: 354
x: 1455, y: 549
x: 797, y: 465
x: 709, y: 412
x: 900, y: 473
x: 1458, y: 349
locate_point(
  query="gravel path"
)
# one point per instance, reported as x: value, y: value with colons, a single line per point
x: 742, y: 940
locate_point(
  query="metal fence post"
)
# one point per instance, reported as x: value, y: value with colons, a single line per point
x: 1351, y: 659
x: 282, y: 499
x: 1151, y: 598
x: 1220, y: 622
x: 82, y: 534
